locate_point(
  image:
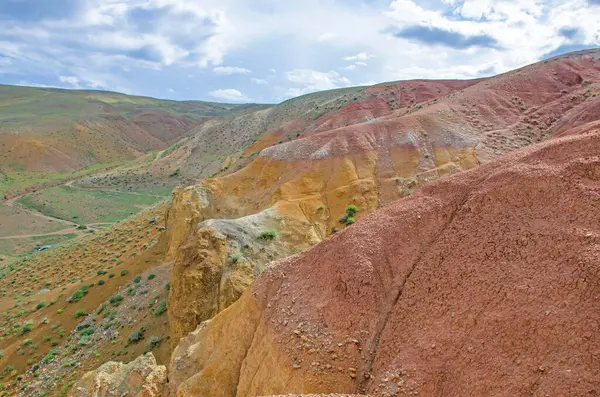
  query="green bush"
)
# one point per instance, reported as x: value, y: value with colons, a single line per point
x: 153, y: 341
x: 168, y: 286
x: 151, y: 276
x: 137, y: 279
x: 27, y: 342
x: 124, y: 272
x: 135, y: 336
x: 269, y: 234
x: 235, y: 258
x: 160, y: 308
x: 115, y: 300
x: 80, y: 313
x: 27, y: 327
x: 101, y: 272
x: 78, y: 295
x: 40, y: 305
x: 59, y: 311
x: 348, y: 219
x: 100, y: 282
x: 351, y: 210
x: 111, y: 275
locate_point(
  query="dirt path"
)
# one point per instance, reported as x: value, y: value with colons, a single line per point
x: 70, y: 230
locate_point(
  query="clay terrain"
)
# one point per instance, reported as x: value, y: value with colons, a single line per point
x: 432, y: 238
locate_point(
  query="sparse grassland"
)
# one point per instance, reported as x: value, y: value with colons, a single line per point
x: 85, y: 206
x: 16, y: 247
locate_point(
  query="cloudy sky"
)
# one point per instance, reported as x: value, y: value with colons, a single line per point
x: 271, y: 50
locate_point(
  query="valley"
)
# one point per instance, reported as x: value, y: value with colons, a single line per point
x: 378, y: 240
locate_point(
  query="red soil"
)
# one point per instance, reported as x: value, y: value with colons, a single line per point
x: 485, y: 283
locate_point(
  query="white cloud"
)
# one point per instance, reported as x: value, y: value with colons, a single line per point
x: 93, y: 84
x: 72, y: 80
x: 229, y: 70
x: 361, y: 56
x: 259, y: 81
x: 123, y: 44
x: 171, y: 90
x: 329, y: 36
x: 312, y: 80
x: 229, y: 94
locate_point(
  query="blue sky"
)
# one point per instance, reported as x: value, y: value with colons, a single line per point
x: 271, y: 50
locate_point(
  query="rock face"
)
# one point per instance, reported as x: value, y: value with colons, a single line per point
x: 368, y: 154
x: 141, y: 378
x: 484, y: 283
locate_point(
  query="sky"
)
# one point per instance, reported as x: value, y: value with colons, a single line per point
x: 267, y: 51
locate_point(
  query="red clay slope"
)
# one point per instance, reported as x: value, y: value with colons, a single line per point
x: 484, y: 283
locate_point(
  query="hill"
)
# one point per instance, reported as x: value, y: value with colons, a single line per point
x: 270, y: 184
x: 475, y: 285
x: 46, y: 133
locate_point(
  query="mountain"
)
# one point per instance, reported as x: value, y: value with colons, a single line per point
x: 318, y: 228
x: 484, y: 283
x: 47, y: 131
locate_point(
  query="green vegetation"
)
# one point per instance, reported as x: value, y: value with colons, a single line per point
x: 235, y: 258
x: 160, y: 308
x: 80, y: 313
x: 90, y: 205
x: 269, y: 234
x: 151, y: 276
x: 137, y: 279
x: 153, y: 342
x: 348, y: 218
x: 116, y: 300
x: 16, y: 247
x: 78, y: 295
x: 124, y: 272
x: 135, y: 337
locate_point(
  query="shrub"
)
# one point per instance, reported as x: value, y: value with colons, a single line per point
x: 115, y: 300
x: 151, y: 276
x: 161, y: 308
x: 137, y: 279
x: 80, y: 313
x: 40, y: 305
x: 59, y: 311
x: 348, y: 219
x: 351, y: 210
x: 269, y: 234
x: 153, y: 341
x: 27, y: 327
x: 86, y: 331
x: 78, y: 295
x: 27, y: 342
x: 53, y: 301
x: 135, y: 336
x: 111, y: 275
x: 100, y: 282
x: 101, y: 272
x: 235, y: 258
x: 124, y: 272
x: 168, y: 286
